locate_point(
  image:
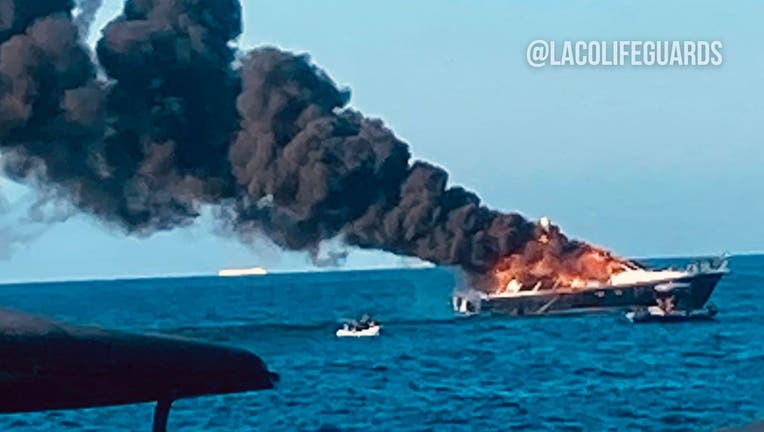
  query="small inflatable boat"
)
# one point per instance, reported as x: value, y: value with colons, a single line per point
x: 348, y: 331
x: 363, y: 327
x: 656, y: 314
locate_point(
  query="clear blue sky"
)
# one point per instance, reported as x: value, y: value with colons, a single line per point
x: 660, y: 161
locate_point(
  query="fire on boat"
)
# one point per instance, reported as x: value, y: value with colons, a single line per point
x: 630, y: 286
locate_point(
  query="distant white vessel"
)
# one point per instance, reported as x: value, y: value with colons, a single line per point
x: 254, y: 271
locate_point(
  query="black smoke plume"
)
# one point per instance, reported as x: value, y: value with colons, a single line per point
x: 175, y: 126
x: 327, y: 170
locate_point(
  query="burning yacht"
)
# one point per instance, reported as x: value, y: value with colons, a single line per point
x: 631, y: 286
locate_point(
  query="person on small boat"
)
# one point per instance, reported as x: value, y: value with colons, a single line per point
x: 365, y: 322
x: 666, y: 302
x: 669, y: 304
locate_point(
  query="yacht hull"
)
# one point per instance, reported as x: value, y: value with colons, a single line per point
x: 690, y: 292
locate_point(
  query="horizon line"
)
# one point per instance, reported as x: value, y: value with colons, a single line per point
x: 117, y: 278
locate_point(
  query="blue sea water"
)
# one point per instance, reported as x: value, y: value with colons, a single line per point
x: 429, y: 370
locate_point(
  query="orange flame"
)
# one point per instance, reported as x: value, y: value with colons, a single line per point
x: 552, y: 261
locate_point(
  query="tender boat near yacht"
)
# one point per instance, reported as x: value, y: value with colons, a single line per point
x: 656, y: 314
x: 633, y: 287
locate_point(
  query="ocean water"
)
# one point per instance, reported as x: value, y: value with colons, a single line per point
x: 429, y: 370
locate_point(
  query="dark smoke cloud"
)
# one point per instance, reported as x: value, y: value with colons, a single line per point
x: 145, y: 149
x: 48, y: 98
x: 330, y: 171
x: 170, y: 109
x: 271, y: 143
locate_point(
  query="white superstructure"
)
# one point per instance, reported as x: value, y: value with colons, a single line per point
x: 630, y: 275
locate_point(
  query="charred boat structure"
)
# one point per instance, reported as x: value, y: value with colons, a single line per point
x: 634, y: 287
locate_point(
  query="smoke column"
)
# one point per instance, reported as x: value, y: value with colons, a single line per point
x: 270, y: 143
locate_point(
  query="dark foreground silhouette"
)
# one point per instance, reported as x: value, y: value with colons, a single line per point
x: 45, y: 365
